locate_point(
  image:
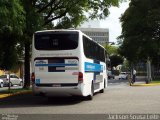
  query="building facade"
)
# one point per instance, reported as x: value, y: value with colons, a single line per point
x: 100, y: 35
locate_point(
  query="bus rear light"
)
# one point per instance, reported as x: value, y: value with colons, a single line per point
x: 80, y: 77
x: 33, y: 78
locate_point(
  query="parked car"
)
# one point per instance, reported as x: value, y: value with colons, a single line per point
x: 1, y: 83
x: 110, y: 75
x: 123, y: 75
x: 14, y: 80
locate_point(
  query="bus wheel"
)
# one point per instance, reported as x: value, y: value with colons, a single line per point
x: 102, y: 90
x: 90, y: 97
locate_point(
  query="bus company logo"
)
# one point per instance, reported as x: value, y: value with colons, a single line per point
x: 90, y: 67
x: 41, y: 62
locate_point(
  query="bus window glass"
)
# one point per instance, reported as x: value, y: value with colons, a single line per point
x: 56, y: 40
x: 93, y: 50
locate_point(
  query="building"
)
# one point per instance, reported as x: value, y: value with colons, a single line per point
x: 100, y: 35
x: 93, y: 30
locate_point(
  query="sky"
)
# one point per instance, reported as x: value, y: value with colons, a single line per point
x: 112, y: 21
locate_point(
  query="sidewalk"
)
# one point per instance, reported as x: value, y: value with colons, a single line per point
x: 5, y: 95
x: 141, y: 81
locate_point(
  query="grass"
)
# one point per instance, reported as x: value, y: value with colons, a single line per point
x: 155, y: 81
x: 12, y: 91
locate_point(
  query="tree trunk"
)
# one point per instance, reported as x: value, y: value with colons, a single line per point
x: 27, y: 65
x: 28, y: 34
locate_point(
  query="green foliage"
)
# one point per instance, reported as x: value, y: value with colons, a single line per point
x: 11, y: 27
x: 69, y: 13
x: 12, y: 15
x: 111, y: 50
x: 114, y: 56
x: 125, y: 66
x: 140, y: 36
x: 116, y: 60
x: 156, y: 81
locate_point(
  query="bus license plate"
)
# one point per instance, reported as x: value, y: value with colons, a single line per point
x: 56, y: 85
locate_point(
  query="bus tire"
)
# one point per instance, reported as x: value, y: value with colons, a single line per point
x: 90, y: 97
x: 102, y: 90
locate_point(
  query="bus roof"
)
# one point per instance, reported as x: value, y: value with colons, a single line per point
x: 58, y: 30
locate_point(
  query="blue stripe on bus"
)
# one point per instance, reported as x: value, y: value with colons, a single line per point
x: 93, y: 67
x: 56, y: 64
x: 96, y: 73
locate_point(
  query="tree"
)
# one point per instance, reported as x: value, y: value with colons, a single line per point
x: 116, y: 60
x: 59, y: 14
x: 73, y: 11
x: 140, y: 30
x: 11, y: 27
x: 115, y: 57
x: 111, y: 50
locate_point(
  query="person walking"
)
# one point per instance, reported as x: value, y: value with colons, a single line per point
x: 134, y: 75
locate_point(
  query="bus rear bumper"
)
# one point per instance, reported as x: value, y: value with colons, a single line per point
x: 57, y: 91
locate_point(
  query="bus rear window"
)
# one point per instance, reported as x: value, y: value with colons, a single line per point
x: 56, y: 40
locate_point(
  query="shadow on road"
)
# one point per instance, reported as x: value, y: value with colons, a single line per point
x: 29, y: 100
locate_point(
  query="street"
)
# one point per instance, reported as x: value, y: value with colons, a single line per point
x: 118, y: 98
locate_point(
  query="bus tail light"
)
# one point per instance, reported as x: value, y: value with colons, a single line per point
x: 33, y: 78
x: 80, y: 77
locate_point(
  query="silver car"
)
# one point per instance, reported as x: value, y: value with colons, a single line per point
x: 123, y: 75
x: 14, y: 80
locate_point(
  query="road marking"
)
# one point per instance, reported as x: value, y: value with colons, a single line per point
x: 150, y: 84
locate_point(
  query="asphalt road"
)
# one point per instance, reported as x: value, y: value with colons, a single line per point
x: 118, y: 98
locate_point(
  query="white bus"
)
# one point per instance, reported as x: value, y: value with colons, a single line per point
x: 67, y: 62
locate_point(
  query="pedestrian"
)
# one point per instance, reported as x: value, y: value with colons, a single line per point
x: 134, y: 75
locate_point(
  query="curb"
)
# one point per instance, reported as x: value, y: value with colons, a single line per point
x: 14, y: 94
x: 150, y: 84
